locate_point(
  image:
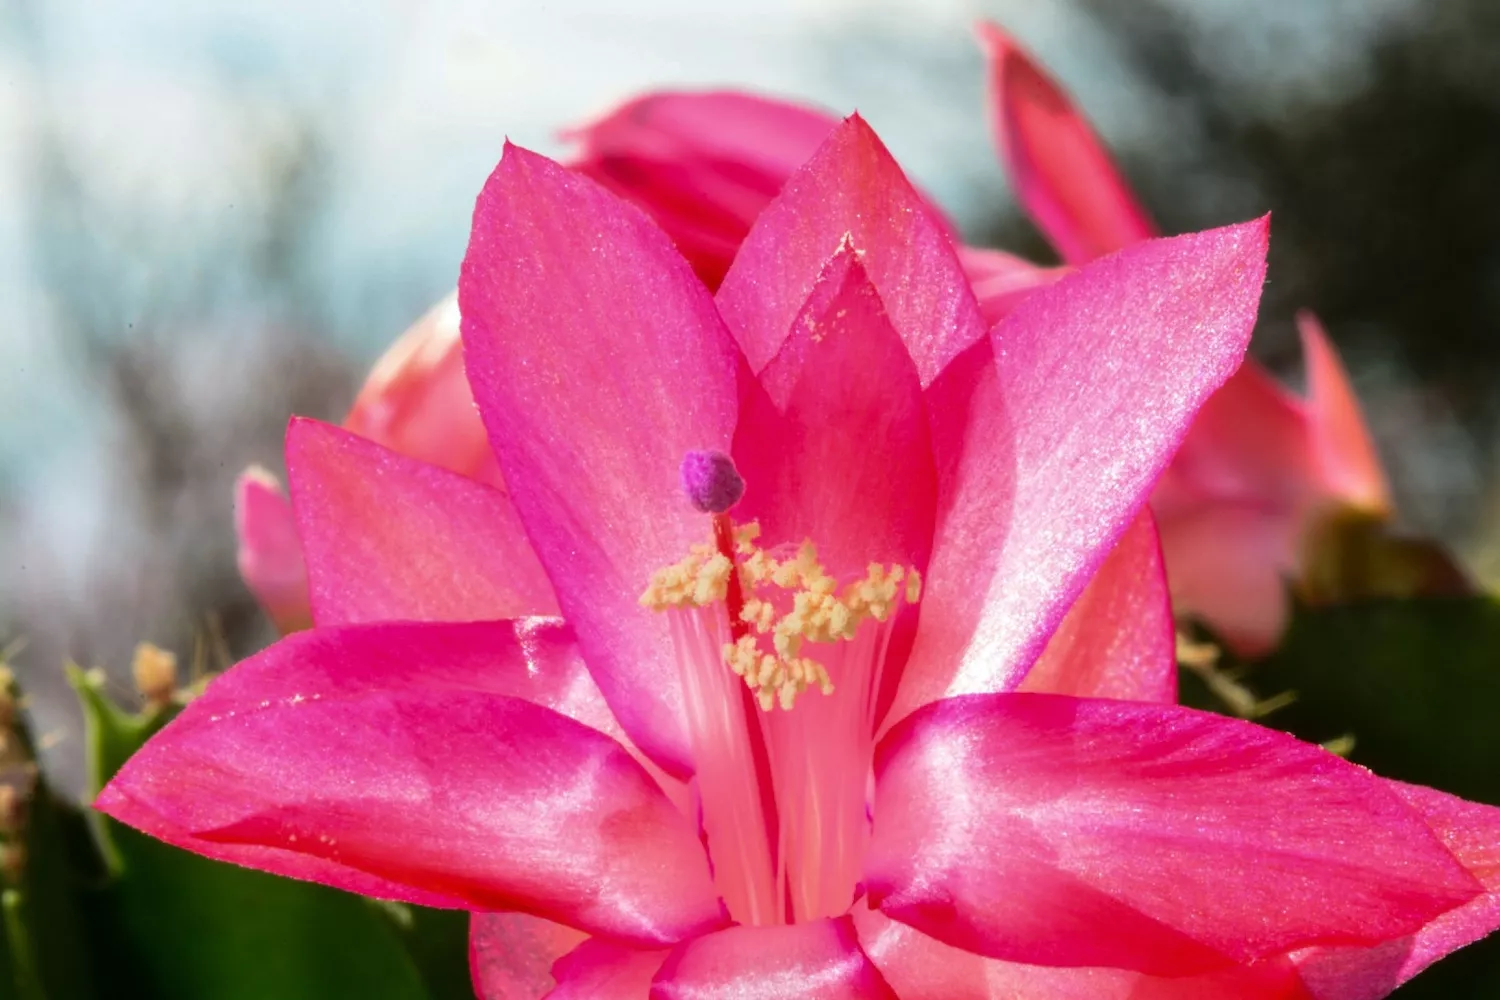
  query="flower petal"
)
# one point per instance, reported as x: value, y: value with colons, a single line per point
x: 1348, y: 461
x: 703, y: 165
x: 852, y: 191
x: 921, y: 968
x: 1061, y: 172
x: 402, y: 761
x: 605, y: 970
x: 1472, y: 832
x: 1066, y: 831
x: 511, y: 954
x: 270, y: 554
x: 1118, y: 640
x: 417, y: 401
x: 1002, y: 280
x: 817, y: 960
x: 1228, y: 564
x: 391, y: 538
x: 1046, y: 452
x: 597, y: 360
x: 836, y: 448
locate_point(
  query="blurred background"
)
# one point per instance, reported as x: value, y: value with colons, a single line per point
x: 214, y: 214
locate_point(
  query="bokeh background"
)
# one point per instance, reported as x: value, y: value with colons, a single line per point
x: 215, y: 213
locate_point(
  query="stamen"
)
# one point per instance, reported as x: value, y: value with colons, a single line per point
x: 786, y: 845
x: 791, y: 602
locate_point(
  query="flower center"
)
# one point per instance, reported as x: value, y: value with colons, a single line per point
x: 783, y: 779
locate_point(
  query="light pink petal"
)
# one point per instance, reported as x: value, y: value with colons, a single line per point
x: 836, y: 448
x: 921, y: 968
x: 1118, y: 640
x: 270, y: 554
x: 1349, y: 463
x: 605, y: 970
x: 597, y: 360
x: 1251, y: 445
x: 1047, y: 443
x: 1065, y: 831
x: 703, y: 165
x: 1472, y: 832
x: 440, y: 786
x: 1002, y: 280
x: 511, y: 954
x: 389, y: 538
x: 852, y: 191
x: 1061, y: 172
x: 1228, y: 565
x: 416, y: 399
x: 817, y: 960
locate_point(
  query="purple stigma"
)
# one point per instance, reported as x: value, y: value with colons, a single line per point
x: 711, y: 482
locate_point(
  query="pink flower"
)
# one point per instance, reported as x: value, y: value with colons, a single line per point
x: 906, y: 806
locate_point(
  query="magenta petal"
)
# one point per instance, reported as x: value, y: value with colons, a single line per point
x: 1348, y: 464
x: 605, y: 970
x: 1061, y: 172
x: 818, y: 960
x: 1002, y: 280
x: 1046, y: 452
x: 921, y: 968
x: 703, y: 165
x: 1472, y: 832
x: 836, y: 448
x: 597, y: 360
x: 270, y: 554
x: 1066, y: 831
x: 391, y: 538
x: 1118, y: 640
x: 511, y: 954
x: 852, y: 192
x: 401, y: 761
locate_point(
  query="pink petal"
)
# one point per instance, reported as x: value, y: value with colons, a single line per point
x: 1346, y: 454
x: 402, y: 761
x: 270, y: 555
x: 1002, y: 280
x: 1250, y: 445
x: 416, y: 399
x: 1228, y: 565
x: 1061, y: 172
x: 852, y: 192
x: 604, y: 970
x: 1118, y: 640
x: 921, y: 968
x: 1472, y: 832
x: 511, y: 954
x: 1065, y: 831
x: 1046, y: 452
x: 818, y: 960
x: 597, y: 360
x: 389, y: 537
x: 703, y: 165
x: 836, y: 449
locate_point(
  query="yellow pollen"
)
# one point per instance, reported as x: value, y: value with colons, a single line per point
x: 820, y: 611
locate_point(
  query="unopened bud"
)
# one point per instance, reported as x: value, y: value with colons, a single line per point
x: 155, y: 673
